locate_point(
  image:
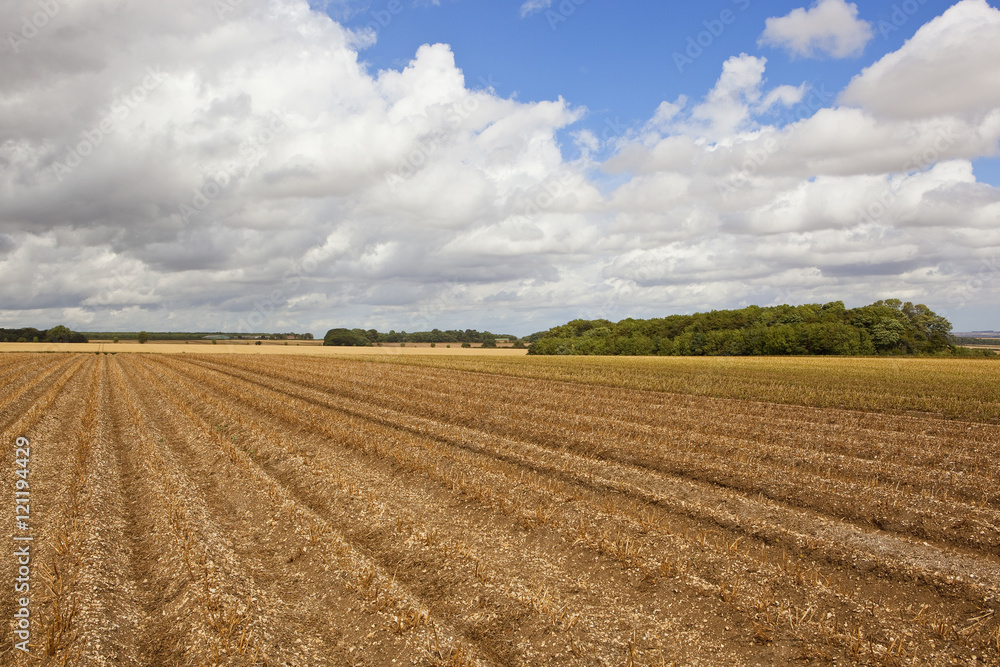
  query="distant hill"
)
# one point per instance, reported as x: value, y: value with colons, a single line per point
x: 885, y: 327
x: 977, y: 334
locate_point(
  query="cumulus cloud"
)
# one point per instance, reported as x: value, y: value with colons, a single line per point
x: 219, y: 183
x: 727, y: 199
x: 943, y: 69
x: 173, y: 167
x: 534, y: 6
x: 828, y: 28
x: 726, y: 108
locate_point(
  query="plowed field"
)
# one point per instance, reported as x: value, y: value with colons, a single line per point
x: 241, y: 510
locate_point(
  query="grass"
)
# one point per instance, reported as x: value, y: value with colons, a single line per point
x: 965, y: 389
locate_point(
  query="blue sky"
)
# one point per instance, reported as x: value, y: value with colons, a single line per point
x: 615, y: 58
x: 497, y: 164
x: 620, y: 60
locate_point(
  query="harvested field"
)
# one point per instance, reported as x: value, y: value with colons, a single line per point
x: 313, y: 348
x: 249, y: 509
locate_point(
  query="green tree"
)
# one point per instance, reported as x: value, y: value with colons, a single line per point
x: 884, y: 327
x: 346, y: 338
x: 887, y: 334
x: 489, y: 340
x: 143, y: 338
x: 58, y: 334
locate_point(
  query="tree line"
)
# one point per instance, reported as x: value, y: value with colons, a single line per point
x: 191, y: 335
x: 368, y: 337
x: 889, y: 327
x: 57, y: 334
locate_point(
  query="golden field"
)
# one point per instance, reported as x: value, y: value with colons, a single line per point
x: 247, y: 347
x: 254, y: 509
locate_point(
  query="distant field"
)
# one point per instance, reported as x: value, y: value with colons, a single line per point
x: 248, y: 347
x: 953, y: 388
x: 257, y: 509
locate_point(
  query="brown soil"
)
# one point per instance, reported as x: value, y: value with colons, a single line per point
x: 243, y: 510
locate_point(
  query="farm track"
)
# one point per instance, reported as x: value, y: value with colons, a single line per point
x: 250, y: 510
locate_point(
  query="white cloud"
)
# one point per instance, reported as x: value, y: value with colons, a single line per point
x: 665, y: 114
x: 534, y: 6
x: 265, y: 139
x: 786, y: 96
x: 727, y: 107
x: 947, y: 67
x: 324, y: 193
x: 828, y: 28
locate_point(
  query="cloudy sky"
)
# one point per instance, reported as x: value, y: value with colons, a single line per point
x: 275, y: 165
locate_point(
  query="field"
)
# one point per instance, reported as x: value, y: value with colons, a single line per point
x: 245, y: 509
x: 313, y: 348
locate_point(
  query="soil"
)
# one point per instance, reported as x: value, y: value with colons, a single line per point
x: 251, y: 510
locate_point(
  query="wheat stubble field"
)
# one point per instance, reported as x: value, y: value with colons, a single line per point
x: 246, y: 509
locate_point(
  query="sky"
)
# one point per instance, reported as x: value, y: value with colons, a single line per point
x: 504, y: 165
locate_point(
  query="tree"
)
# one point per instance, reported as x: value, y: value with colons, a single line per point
x: 887, y: 333
x: 489, y: 340
x: 884, y: 327
x: 58, y: 334
x: 143, y: 337
x: 346, y: 338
